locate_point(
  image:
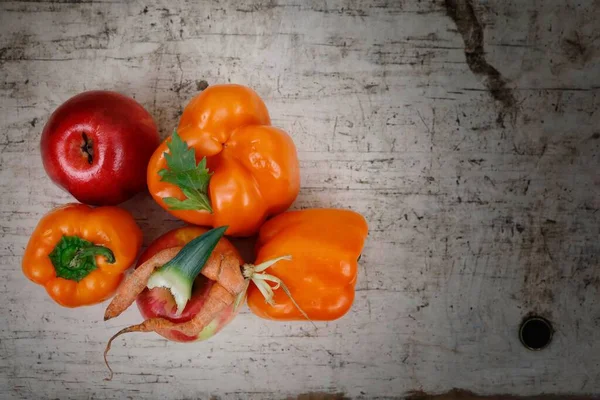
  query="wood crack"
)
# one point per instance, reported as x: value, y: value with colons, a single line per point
x: 471, y: 30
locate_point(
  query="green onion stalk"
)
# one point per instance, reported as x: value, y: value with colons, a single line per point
x: 179, y: 273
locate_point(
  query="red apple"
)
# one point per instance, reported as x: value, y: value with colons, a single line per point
x: 158, y: 302
x: 97, y: 145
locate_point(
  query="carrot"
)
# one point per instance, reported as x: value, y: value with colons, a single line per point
x: 136, y: 283
x: 218, y: 299
x: 224, y: 268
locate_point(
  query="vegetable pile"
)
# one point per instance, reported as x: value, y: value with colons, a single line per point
x: 224, y: 167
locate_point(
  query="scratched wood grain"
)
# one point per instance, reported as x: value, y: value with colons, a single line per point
x: 465, y: 131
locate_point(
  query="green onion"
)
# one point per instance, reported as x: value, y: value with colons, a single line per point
x: 178, y: 275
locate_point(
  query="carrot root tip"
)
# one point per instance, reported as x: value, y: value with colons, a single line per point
x: 133, y: 328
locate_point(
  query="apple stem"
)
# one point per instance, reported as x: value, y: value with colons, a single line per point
x: 87, y: 147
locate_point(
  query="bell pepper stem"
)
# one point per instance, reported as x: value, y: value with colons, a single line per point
x: 256, y: 274
x: 91, y: 251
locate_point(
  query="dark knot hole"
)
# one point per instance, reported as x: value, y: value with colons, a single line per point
x: 535, y: 333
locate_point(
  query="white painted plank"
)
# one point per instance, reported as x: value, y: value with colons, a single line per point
x: 479, y: 212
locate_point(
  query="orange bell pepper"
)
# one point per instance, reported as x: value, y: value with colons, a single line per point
x: 247, y: 170
x: 79, y: 253
x: 324, y: 245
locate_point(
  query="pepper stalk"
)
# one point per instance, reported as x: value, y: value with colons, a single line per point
x: 257, y: 275
x: 74, y: 258
x: 179, y: 273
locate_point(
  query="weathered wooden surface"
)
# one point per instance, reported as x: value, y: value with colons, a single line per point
x: 478, y: 173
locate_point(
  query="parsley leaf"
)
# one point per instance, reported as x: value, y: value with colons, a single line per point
x: 183, y: 172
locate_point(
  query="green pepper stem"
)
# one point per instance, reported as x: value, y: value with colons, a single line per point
x: 91, y: 251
